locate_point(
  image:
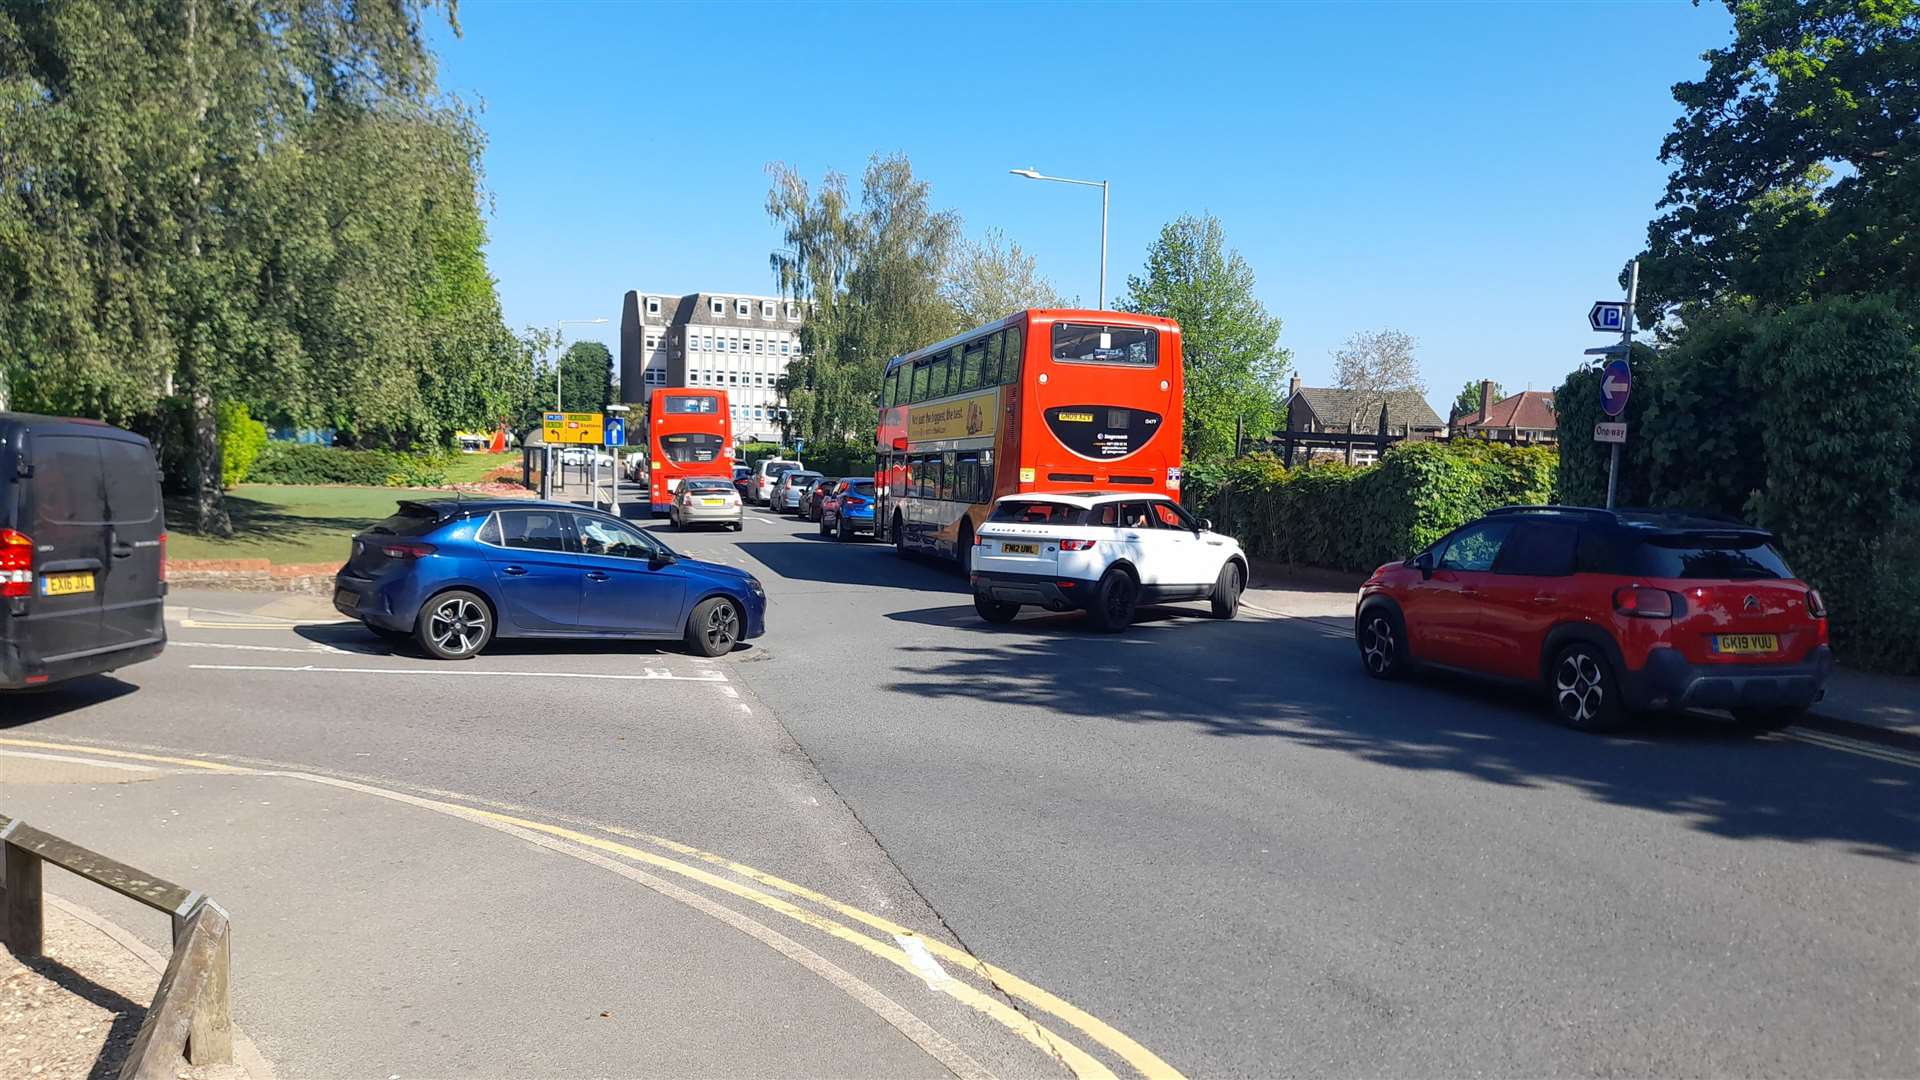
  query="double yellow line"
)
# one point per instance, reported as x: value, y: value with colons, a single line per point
x: 1084, y: 1065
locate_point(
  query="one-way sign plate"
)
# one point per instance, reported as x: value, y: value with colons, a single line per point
x: 1604, y: 432
x: 1608, y: 316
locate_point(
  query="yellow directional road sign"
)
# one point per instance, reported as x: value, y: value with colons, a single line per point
x: 574, y: 427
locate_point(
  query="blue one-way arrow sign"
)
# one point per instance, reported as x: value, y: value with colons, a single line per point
x: 1616, y: 382
x: 1608, y: 316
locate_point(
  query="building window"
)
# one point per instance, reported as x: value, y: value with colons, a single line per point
x: 653, y: 305
x: 653, y: 342
x: 718, y: 307
x: 733, y: 378
x: 766, y: 309
x: 743, y: 308
x: 793, y: 312
x: 784, y: 347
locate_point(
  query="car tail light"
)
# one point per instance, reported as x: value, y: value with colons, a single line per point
x: 979, y: 541
x: 1077, y: 545
x: 1816, y: 607
x: 16, y: 564
x: 852, y: 502
x: 1642, y: 602
x: 407, y: 549
x: 163, y: 557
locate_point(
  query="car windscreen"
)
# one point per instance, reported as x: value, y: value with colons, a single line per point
x: 410, y: 520
x: 703, y: 484
x: 1697, y: 556
x: 774, y: 472
x: 1037, y: 513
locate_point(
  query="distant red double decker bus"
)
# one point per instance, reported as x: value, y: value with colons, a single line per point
x: 689, y: 433
x: 1042, y: 400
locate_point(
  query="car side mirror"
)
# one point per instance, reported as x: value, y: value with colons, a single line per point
x: 1423, y: 562
x: 660, y: 559
x: 1206, y: 524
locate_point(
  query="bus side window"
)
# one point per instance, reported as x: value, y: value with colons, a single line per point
x: 940, y: 372
x: 990, y: 360
x: 1010, y: 360
x: 918, y: 390
x: 966, y: 479
x: 892, y: 392
x: 970, y: 358
x: 938, y: 484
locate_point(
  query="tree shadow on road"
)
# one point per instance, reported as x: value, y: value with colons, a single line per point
x: 872, y: 565
x: 1299, y: 680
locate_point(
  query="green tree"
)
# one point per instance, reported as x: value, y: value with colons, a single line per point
x: 586, y: 377
x: 1234, y: 364
x: 992, y: 277
x: 871, y: 279
x: 175, y: 175
x: 1796, y: 167
x: 1469, y: 399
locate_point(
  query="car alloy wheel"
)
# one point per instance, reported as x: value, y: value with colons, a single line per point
x: 1585, y: 695
x: 1379, y: 645
x: 1115, y: 601
x: 457, y: 626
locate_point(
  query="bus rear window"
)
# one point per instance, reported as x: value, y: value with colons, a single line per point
x: 691, y: 448
x: 1126, y: 346
x: 691, y: 404
x: 1037, y: 513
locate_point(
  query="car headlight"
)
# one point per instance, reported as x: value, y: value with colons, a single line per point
x: 753, y: 585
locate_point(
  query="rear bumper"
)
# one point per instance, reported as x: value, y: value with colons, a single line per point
x: 1054, y: 594
x: 710, y: 515
x: 1669, y: 681
x: 372, y: 602
x: 19, y: 671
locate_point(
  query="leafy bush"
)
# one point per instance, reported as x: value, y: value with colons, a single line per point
x: 241, y: 440
x: 301, y: 463
x: 1330, y: 515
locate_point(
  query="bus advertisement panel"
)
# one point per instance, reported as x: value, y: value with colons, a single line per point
x: 689, y: 433
x: 1043, y: 400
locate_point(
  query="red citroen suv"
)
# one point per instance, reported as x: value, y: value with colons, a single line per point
x: 1612, y: 612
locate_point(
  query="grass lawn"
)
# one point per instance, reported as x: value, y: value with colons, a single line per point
x: 472, y: 468
x: 286, y: 523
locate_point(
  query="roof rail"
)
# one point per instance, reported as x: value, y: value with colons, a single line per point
x: 1582, y: 511
x: 1689, y: 512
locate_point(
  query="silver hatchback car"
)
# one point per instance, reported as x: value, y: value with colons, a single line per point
x: 705, y: 500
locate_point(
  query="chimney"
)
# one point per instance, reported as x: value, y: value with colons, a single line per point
x: 1486, y: 398
x: 1293, y: 387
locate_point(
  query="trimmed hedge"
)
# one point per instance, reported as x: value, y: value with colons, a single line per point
x: 242, y: 438
x: 1341, y: 518
x: 303, y: 463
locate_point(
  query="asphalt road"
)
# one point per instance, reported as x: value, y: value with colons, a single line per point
x: 1226, y: 849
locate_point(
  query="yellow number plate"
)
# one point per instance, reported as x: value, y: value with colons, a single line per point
x: 1020, y: 549
x: 66, y: 584
x: 713, y: 502
x: 1744, y: 644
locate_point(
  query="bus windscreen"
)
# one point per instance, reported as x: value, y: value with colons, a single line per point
x: 691, y: 405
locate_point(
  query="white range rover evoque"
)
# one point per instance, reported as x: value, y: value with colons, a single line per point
x: 1105, y: 553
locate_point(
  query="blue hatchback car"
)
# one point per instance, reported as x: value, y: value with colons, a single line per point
x: 847, y: 510
x: 455, y: 574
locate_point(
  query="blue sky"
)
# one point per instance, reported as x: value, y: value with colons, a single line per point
x: 1473, y: 174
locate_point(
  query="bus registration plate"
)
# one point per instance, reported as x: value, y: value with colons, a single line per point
x: 1020, y: 549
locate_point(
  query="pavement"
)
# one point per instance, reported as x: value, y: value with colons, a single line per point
x: 889, y: 839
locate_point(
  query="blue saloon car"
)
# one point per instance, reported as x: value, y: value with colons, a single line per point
x: 455, y: 574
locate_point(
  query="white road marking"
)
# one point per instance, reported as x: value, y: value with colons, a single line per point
x: 730, y: 691
x: 314, y: 648
x: 80, y: 760
x: 649, y: 675
x: 923, y: 961
x: 1853, y: 746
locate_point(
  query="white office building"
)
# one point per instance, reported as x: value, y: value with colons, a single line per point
x: 729, y: 341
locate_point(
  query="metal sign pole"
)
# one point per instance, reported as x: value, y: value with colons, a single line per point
x: 1626, y: 345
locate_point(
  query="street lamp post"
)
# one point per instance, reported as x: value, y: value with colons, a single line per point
x: 560, y: 328
x: 1102, y: 185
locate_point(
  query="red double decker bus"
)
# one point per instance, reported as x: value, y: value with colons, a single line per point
x: 1043, y: 400
x: 689, y: 433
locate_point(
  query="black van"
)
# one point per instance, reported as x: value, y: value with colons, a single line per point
x: 83, y: 548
